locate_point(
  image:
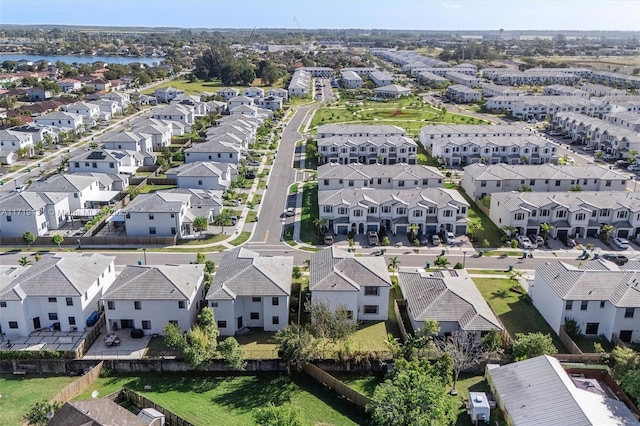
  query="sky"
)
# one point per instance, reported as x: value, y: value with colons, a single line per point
x: 552, y: 15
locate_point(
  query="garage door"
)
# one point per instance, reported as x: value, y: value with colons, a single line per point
x: 562, y: 233
x: 372, y: 228
x: 461, y: 229
x: 401, y: 230
x: 623, y: 233
x: 431, y: 229
x: 343, y: 229
x: 592, y: 233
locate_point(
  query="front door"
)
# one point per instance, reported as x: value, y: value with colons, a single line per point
x: 625, y: 335
x: 239, y: 323
x: 36, y: 323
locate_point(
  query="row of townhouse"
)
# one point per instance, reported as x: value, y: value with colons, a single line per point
x: 462, y: 94
x: 541, y: 107
x: 361, y: 71
x: 381, y: 78
x: 601, y: 90
x: 228, y: 93
x: 562, y: 90
x: 579, y: 214
x: 490, y: 90
x: 602, y: 299
x: 300, y: 84
x: 616, y: 79
x: 470, y: 81
x: 318, y: 72
x: 544, y: 76
x: 531, y: 149
x: 111, y: 161
x: 603, y: 135
x: 350, y: 80
x: 446, y: 131
x: 443, y: 71
x: 367, y: 150
x: 627, y: 119
x: 431, y: 80
x: 358, y: 130
x: 395, y: 176
x: 50, y: 204
x: 480, y: 180
x: 361, y: 210
x: 407, y: 58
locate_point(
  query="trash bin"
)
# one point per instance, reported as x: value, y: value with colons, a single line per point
x: 480, y: 253
x: 383, y: 250
x: 596, y: 255
x: 510, y: 268
x: 427, y: 265
x: 442, y: 252
x: 139, y: 262
x: 524, y: 254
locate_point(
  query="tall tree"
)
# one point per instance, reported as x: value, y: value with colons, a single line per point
x: 413, y: 394
x: 330, y: 326
x: 272, y: 415
x: 394, y: 264
x: 28, y: 238
x: 296, y: 345
x: 532, y: 345
x: 57, y: 239
x: 464, y: 349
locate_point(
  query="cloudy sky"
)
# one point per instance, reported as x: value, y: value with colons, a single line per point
x: 366, y: 14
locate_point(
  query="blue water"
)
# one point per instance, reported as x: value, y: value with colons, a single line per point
x: 70, y: 59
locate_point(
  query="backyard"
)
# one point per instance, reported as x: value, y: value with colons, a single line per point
x: 19, y: 394
x: 204, y: 399
x: 410, y: 113
x: 516, y: 313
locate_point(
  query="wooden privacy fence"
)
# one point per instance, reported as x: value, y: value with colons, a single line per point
x: 78, y: 386
x: 568, y: 341
x: 332, y: 383
x: 396, y: 309
x: 134, y: 398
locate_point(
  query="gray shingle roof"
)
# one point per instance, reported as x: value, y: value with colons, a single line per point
x: 359, y: 140
x: 335, y: 269
x: 371, y: 171
x: 620, y: 287
x: 158, y: 202
x: 590, y: 200
x: 538, y: 391
x: 410, y: 198
x: 355, y: 129
x: 449, y: 296
x: 63, y: 183
x: 244, y: 273
x: 59, y: 275
x: 199, y: 168
x: 541, y: 171
x: 159, y: 282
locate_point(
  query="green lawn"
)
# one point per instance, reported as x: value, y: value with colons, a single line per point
x: 311, y: 154
x: 473, y: 383
x: 365, y: 384
x: 204, y: 399
x: 206, y: 239
x: 516, y: 313
x: 370, y: 336
x: 19, y: 394
x: 153, y: 188
x: 424, y: 158
x: 490, y: 232
x: 409, y: 113
x: 392, y: 322
x: 243, y: 237
x: 486, y: 271
x: 308, y: 231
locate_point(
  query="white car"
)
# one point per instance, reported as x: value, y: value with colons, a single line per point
x: 525, y: 242
x: 633, y: 167
x: 290, y: 212
x: 449, y: 238
x: 621, y: 243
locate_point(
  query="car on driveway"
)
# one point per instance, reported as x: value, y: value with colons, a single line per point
x: 525, y: 242
x: 449, y: 238
x: 373, y: 238
x: 618, y: 259
x: 435, y: 240
x: 424, y: 240
x: 536, y: 240
x: 568, y: 241
x: 328, y: 239
x: 621, y: 243
x: 633, y: 167
x: 290, y: 212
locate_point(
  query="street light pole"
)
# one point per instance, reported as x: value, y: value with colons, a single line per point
x: 144, y: 250
x: 464, y: 258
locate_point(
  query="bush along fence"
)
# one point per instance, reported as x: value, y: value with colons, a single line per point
x: 332, y: 383
x: 127, y: 396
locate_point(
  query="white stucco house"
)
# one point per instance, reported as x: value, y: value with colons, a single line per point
x: 250, y: 290
x: 33, y: 212
x: 167, y: 94
x: 203, y: 175
x: 149, y: 297
x: 449, y: 297
x: 65, y: 120
x: 160, y: 133
x: 58, y: 292
x: 221, y: 152
x: 602, y: 302
x: 253, y: 92
x: 380, y: 176
x: 130, y: 141
x: 183, y: 114
x: 162, y: 214
x: 358, y: 284
x: 227, y: 93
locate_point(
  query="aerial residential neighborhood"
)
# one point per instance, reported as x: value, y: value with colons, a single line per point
x: 420, y: 213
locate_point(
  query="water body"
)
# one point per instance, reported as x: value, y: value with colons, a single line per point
x: 82, y: 59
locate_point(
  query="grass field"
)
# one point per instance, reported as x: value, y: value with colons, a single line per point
x: 224, y: 400
x: 198, y: 87
x: 308, y: 231
x: 243, y: 237
x: 517, y: 314
x: 489, y: 232
x: 19, y: 394
x: 409, y: 113
x: 153, y: 188
x: 365, y: 384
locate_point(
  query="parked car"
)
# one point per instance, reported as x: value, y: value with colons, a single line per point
x: 435, y: 240
x: 137, y: 333
x: 633, y: 167
x: 254, y: 163
x: 19, y: 188
x: 250, y: 175
x: 622, y: 163
x: 568, y: 241
x: 328, y: 239
x: 524, y: 242
x: 373, y: 238
x: 449, y: 238
x: 424, y: 240
x: 233, y: 219
x: 621, y: 243
x: 290, y: 212
x: 618, y: 259
x: 536, y: 240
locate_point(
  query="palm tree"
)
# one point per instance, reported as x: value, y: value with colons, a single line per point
x: 23, y: 261
x: 475, y: 225
x: 413, y: 228
x: 524, y: 159
x: 394, y: 264
x: 605, y: 232
x: 441, y: 262
x: 200, y: 223
x: 222, y: 219
x: 509, y: 230
x: 546, y: 229
x: 320, y: 223
x: 599, y: 155
x: 632, y: 156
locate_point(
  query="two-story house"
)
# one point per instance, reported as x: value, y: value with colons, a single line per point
x: 59, y: 292
x: 218, y: 151
x: 367, y: 150
x: 129, y: 141
x: 359, y: 285
x: 160, y: 133
x: 167, y: 94
x: 110, y: 161
x: 64, y: 120
x: 602, y: 302
x: 162, y: 214
x: 227, y: 93
x: 334, y: 176
x: 358, y: 130
x: 180, y: 113
x: 149, y: 297
x: 203, y: 175
x: 33, y: 212
x: 250, y: 290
